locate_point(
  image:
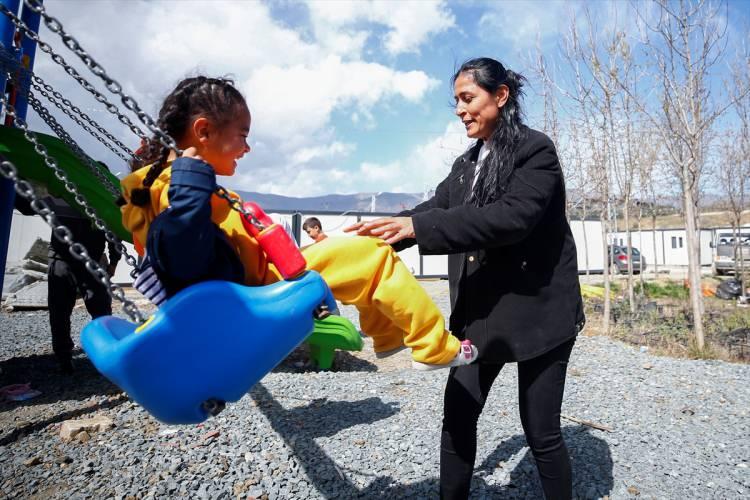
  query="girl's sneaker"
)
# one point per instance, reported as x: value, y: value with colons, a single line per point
x: 467, y: 354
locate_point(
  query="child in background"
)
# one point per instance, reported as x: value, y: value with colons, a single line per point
x: 191, y: 235
x: 314, y: 229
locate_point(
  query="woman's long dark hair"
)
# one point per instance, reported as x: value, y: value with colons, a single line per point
x: 215, y: 98
x: 509, y: 132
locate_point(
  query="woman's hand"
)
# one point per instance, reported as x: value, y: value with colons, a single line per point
x: 390, y: 229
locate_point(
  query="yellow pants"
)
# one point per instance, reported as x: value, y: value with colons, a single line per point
x: 393, y: 307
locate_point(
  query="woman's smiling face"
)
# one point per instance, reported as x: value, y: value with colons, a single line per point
x: 478, y: 109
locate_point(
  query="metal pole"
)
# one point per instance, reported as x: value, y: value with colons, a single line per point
x: 297, y: 227
x: 7, y: 188
x: 28, y: 50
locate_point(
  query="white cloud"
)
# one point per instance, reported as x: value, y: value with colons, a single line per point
x: 294, y: 103
x: 295, y: 85
x: 420, y: 170
x: 335, y: 149
x: 409, y: 23
x: 521, y: 23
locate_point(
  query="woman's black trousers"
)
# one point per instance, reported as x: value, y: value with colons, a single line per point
x: 541, y: 383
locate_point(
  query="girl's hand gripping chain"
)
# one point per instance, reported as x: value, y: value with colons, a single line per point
x: 274, y: 241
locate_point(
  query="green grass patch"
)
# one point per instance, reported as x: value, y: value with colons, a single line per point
x: 666, y: 290
x: 613, y: 286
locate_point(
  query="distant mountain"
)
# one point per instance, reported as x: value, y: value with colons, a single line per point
x: 360, y: 202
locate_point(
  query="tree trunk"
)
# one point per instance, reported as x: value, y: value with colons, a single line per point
x: 607, y: 305
x: 629, y: 254
x: 739, y: 261
x: 694, y: 270
x: 640, y: 243
x: 585, y: 237
x: 656, y: 256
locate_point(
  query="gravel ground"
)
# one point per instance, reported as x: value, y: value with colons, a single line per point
x: 370, y: 429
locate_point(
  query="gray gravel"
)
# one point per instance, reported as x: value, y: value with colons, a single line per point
x: 680, y: 429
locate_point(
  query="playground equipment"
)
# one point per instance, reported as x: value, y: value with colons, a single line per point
x: 16, y: 148
x: 186, y: 361
x: 332, y: 333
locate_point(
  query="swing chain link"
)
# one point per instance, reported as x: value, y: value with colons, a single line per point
x: 236, y: 204
x: 61, y: 232
x: 58, y: 129
x: 69, y: 186
x: 70, y: 70
x: 113, y: 86
x: 110, y: 83
x: 74, y: 112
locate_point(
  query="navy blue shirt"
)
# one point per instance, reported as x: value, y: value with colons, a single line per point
x: 184, y: 246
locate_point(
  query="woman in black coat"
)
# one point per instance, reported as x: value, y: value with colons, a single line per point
x: 500, y: 215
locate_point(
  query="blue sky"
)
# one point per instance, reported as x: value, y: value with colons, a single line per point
x: 345, y: 96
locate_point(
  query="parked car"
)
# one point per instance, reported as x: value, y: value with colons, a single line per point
x: 726, y: 252
x: 617, y: 259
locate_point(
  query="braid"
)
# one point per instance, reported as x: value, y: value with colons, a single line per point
x: 212, y: 97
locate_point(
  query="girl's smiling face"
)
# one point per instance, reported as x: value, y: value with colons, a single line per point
x: 477, y: 108
x: 221, y: 145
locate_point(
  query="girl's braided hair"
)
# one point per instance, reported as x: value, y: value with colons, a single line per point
x: 215, y: 98
x: 498, y: 166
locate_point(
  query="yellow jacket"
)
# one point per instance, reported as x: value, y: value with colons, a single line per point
x: 138, y: 219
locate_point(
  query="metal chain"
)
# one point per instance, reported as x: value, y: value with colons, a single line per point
x: 55, y: 26
x: 80, y: 122
x: 69, y: 186
x: 61, y: 232
x: 72, y: 108
x: 45, y: 47
x: 58, y: 129
x: 236, y: 204
x: 112, y: 85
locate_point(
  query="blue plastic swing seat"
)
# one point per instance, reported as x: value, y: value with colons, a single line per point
x: 209, y: 344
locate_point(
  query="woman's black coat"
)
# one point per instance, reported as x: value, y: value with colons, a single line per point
x: 512, y: 263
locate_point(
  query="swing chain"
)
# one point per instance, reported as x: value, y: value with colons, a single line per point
x: 69, y: 186
x: 61, y: 232
x: 110, y: 83
x: 63, y: 134
x: 70, y: 70
x: 236, y: 204
x: 74, y: 112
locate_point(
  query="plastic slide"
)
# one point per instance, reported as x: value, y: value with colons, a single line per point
x: 331, y: 333
x: 31, y: 167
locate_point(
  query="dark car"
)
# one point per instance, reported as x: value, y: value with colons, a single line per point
x: 617, y: 259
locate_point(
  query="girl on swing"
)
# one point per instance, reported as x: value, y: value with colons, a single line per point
x: 191, y: 235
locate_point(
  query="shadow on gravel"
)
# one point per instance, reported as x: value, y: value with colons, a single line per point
x: 590, y: 458
x: 299, y: 362
x: 299, y: 427
x: 29, y: 428
x: 42, y: 372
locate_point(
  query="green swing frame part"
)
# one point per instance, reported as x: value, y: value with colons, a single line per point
x: 329, y: 334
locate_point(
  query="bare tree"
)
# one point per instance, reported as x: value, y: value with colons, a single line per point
x: 648, y: 156
x: 588, y: 100
x: 607, y: 59
x: 584, y: 185
x: 734, y: 170
x: 684, y: 43
x: 568, y: 149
